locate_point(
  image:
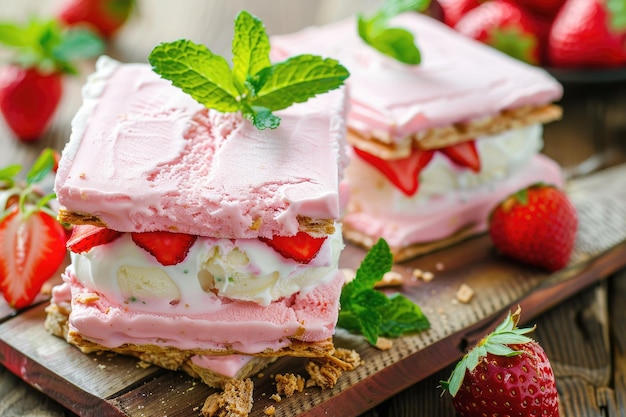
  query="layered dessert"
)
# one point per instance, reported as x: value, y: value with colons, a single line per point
x: 200, y: 243
x: 436, y: 145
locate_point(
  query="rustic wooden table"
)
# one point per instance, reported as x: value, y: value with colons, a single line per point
x: 584, y: 333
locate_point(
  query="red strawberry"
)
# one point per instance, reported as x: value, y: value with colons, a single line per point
x: 506, y: 27
x: 105, y: 16
x: 32, y: 241
x: 85, y: 237
x: 167, y: 247
x: 403, y: 173
x: 28, y: 100
x: 537, y: 226
x: 454, y: 10
x: 588, y: 33
x: 506, y: 374
x: 301, y: 247
x: 464, y: 154
x: 31, y: 90
x: 547, y: 8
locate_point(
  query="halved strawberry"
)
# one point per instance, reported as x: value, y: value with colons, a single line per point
x: 85, y: 236
x: 464, y: 154
x: 403, y: 173
x: 302, y: 247
x: 33, y: 248
x: 32, y: 241
x: 167, y: 247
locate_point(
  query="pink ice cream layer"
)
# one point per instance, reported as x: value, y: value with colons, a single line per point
x: 458, y: 80
x: 240, y: 326
x: 145, y: 156
x: 443, y: 216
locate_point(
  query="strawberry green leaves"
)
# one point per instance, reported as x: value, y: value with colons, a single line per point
x: 47, y: 46
x: 396, y: 42
x: 496, y: 343
x: 254, y: 85
x: 372, y: 313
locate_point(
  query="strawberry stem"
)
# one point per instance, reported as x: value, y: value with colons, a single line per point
x: 496, y: 343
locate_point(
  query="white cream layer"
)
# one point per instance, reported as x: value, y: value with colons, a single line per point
x: 239, y: 269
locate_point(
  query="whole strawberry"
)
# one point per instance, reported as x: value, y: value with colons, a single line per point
x: 537, y: 226
x: 104, y: 16
x: 31, y: 85
x: 547, y: 8
x: 588, y: 34
x: 32, y: 241
x: 454, y: 10
x: 506, y: 374
x: 505, y: 26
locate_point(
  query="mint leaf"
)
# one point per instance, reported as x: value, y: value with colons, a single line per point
x: 376, y: 263
x: 296, y: 80
x: 250, y: 48
x: 402, y: 316
x: 392, y: 8
x: 395, y: 42
x: 254, y: 86
x: 372, y: 313
x: 198, y: 72
x: 261, y: 117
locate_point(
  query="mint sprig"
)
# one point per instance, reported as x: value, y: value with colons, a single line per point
x: 254, y: 85
x: 49, y: 47
x: 396, y: 42
x: 371, y: 313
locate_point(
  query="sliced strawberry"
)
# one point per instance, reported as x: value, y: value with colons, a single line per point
x: 32, y: 248
x: 403, y: 173
x: 85, y: 236
x: 301, y: 248
x: 464, y: 154
x: 167, y: 247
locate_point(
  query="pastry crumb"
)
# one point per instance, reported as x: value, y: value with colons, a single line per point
x: 143, y: 364
x: 325, y: 371
x: 439, y: 266
x: 235, y: 401
x: 382, y: 343
x: 288, y: 384
x: 276, y: 397
x: 270, y: 410
x: 87, y: 298
x: 390, y: 279
x: 465, y: 293
x: 425, y: 276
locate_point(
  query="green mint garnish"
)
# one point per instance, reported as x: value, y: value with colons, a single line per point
x: 48, y: 46
x: 371, y: 313
x: 396, y: 42
x: 254, y: 85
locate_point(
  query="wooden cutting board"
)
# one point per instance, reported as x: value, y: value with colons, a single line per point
x: 112, y: 385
